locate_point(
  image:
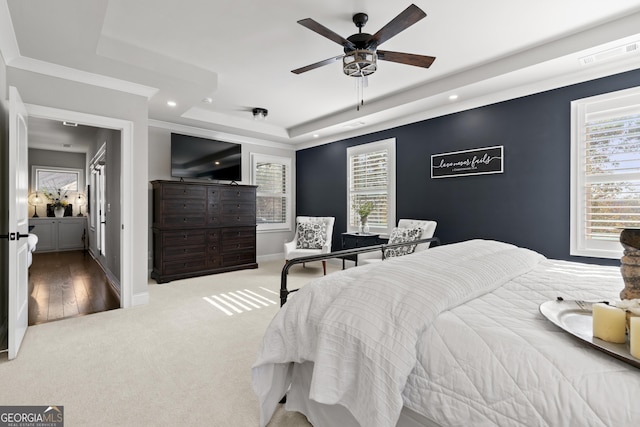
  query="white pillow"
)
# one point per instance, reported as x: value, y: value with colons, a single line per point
x: 402, y: 235
x: 311, y: 235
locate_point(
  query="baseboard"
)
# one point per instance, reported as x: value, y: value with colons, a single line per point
x: 140, y: 299
x: 114, y: 283
x: 271, y: 257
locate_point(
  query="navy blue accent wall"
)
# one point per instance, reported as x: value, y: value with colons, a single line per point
x: 527, y: 205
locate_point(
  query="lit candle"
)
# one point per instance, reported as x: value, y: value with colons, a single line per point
x: 634, y: 336
x: 609, y: 323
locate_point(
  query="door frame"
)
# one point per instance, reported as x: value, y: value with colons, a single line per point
x: 126, y: 168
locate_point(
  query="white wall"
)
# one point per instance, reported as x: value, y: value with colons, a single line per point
x: 269, y: 244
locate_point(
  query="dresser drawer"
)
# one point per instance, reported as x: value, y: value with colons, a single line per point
x: 183, y: 266
x: 174, y: 252
x: 238, y: 219
x: 240, y: 240
x: 239, y: 194
x: 234, y: 208
x: 238, y: 233
x: 238, y: 258
x: 175, y: 207
x: 185, y: 220
x: 180, y: 191
x: 213, y: 195
x: 183, y: 238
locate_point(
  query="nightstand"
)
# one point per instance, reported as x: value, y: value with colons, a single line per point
x: 358, y: 240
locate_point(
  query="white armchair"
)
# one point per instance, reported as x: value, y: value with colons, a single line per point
x: 428, y: 229
x: 313, y: 237
x: 32, y: 241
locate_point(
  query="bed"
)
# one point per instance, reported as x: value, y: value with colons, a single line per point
x: 451, y: 336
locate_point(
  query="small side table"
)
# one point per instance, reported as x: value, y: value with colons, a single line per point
x: 358, y: 240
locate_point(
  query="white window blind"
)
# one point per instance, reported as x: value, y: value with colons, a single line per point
x: 273, y: 199
x: 372, y: 178
x: 608, y: 167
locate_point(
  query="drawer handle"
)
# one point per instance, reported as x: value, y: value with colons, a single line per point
x: 185, y: 236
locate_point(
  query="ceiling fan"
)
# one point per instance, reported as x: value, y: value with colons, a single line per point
x: 361, y: 49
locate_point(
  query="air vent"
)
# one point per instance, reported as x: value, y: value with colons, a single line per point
x: 610, y: 53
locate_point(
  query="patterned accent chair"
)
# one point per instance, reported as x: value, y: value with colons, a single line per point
x: 428, y: 229
x: 313, y: 237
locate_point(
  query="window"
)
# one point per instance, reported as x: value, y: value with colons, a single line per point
x: 52, y: 179
x: 605, y: 172
x: 272, y: 175
x: 371, y: 177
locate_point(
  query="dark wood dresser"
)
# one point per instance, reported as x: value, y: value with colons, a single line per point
x: 201, y: 229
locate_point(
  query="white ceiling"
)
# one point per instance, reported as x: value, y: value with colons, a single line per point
x: 240, y: 54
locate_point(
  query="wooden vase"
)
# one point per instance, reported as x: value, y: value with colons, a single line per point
x: 630, y: 263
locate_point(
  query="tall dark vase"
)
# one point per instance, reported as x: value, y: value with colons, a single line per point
x: 630, y: 268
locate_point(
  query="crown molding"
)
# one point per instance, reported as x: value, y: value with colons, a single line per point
x: 208, y: 133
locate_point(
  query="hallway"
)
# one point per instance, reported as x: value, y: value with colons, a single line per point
x: 67, y: 284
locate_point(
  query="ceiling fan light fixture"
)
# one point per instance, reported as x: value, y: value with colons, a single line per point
x: 360, y: 63
x: 260, y: 113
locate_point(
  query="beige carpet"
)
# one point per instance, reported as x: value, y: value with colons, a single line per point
x: 179, y: 360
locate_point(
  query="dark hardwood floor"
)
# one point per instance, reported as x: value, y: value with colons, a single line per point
x: 67, y: 284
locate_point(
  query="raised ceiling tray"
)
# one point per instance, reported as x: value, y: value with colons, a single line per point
x: 575, y: 317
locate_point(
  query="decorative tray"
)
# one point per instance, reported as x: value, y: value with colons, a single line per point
x: 575, y: 317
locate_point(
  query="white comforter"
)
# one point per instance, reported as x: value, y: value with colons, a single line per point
x: 365, y: 328
x: 496, y: 361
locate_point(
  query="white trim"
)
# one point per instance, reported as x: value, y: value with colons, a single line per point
x: 259, y: 157
x: 580, y: 109
x: 390, y: 146
x: 223, y: 136
x: 73, y: 74
x: 8, y: 42
x: 128, y: 299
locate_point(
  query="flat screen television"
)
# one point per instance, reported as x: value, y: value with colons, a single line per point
x: 203, y: 158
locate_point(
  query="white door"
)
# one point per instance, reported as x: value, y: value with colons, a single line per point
x: 18, y: 223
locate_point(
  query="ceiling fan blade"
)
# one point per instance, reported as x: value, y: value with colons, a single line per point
x: 317, y: 65
x: 404, y: 20
x: 406, y: 58
x: 324, y: 31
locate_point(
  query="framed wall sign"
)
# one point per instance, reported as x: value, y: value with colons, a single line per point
x: 479, y: 161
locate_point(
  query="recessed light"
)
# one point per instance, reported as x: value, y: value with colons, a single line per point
x: 315, y: 135
x: 453, y: 97
x: 171, y: 103
x: 70, y: 124
x: 207, y: 100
